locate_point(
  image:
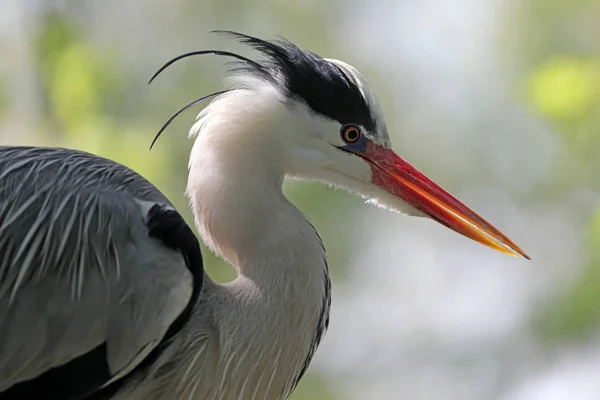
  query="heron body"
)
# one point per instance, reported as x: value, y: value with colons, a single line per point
x: 102, y: 280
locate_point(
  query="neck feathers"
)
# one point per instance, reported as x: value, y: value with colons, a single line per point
x: 277, y: 310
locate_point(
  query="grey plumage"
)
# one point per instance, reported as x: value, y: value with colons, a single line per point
x: 77, y: 266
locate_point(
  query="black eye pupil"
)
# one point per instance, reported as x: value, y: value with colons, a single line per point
x: 350, y: 134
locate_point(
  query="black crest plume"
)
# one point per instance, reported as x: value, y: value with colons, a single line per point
x: 300, y: 75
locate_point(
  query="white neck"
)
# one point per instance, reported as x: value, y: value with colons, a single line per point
x: 235, y: 190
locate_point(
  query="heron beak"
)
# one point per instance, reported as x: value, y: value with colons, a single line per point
x: 395, y: 175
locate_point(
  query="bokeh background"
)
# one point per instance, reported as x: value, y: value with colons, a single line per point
x: 497, y: 100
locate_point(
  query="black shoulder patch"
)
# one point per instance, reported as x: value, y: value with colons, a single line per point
x: 168, y: 226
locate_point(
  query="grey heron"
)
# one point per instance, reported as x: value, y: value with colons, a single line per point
x: 103, y: 294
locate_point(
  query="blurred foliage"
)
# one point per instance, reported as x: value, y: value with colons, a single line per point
x: 575, y: 315
x: 3, y: 97
x: 564, y: 87
x: 567, y: 88
x: 78, y: 79
x: 313, y: 387
x: 564, y: 83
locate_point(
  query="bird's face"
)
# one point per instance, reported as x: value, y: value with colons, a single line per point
x: 348, y: 156
x: 358, y: 157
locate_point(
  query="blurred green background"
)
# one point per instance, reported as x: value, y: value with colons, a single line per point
x: 497, y: 100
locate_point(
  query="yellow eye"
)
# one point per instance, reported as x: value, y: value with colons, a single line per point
x: 350, y: 134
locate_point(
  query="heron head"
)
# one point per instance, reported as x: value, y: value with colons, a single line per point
x: 324, y: 121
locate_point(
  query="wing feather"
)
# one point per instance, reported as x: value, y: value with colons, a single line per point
x: 81, y: 278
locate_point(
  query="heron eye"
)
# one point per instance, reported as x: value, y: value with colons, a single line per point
x: 350, y: 133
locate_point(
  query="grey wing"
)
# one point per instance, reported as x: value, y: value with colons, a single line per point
x: 95, y: 269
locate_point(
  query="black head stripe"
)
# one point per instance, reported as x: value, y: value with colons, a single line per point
x: 308, y: 77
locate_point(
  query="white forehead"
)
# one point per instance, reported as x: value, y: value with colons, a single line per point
x: 361, y: 82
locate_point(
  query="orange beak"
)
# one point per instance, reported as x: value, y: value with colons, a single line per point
x: 395, y: 175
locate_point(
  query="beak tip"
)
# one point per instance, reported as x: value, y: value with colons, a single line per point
x: 518, y: 252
